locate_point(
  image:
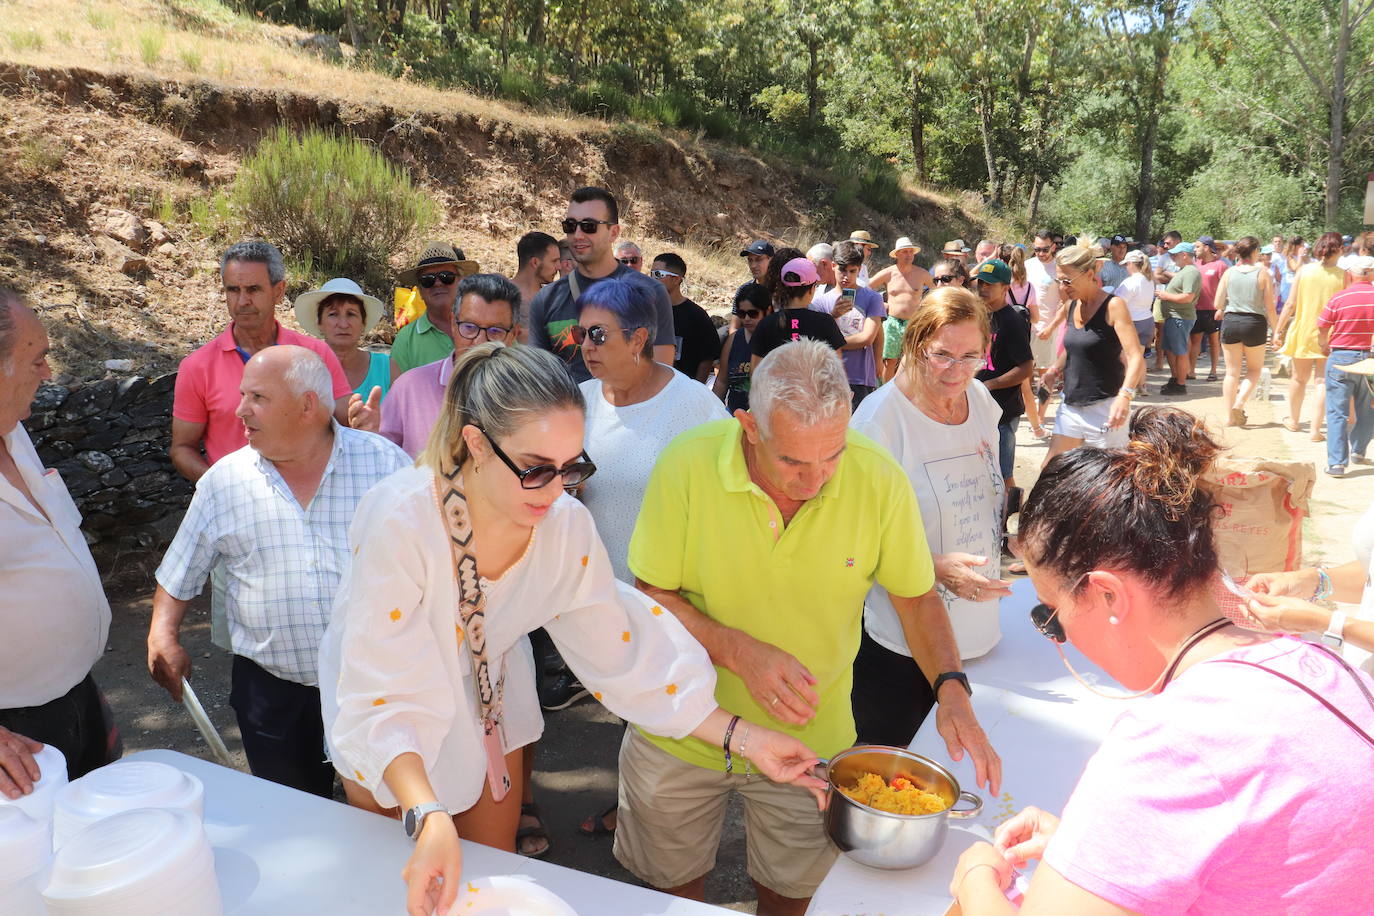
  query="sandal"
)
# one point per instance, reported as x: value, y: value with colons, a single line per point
x: 1016, y: 568
x: 596, y: 824
x: 535, y: 832
x: 1211, y: 376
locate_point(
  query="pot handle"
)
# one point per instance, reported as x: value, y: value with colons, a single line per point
x: 966, y: 812
x: 821, y: 769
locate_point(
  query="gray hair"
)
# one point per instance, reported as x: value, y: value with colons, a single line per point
x: 804, y: 377
x: 625, y: 245
x: 9, y: 301
x: 496, y: 388
x: 256, y: 251
x: 307, y: 372
x: 821, y: 251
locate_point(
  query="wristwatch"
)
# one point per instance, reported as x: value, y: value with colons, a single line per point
x: 415, y: 817
x: 959, y: 676
x: 1335, y: 630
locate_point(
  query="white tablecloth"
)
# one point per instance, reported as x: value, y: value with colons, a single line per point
x: 279, y: 852
x: 1042, y: 723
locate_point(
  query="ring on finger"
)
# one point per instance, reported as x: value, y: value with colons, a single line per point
x: 773, y: 702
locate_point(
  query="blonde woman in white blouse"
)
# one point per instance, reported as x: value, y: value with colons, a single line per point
x: 402, y: 713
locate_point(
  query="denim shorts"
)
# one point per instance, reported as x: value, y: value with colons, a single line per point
x: 1176, y: 331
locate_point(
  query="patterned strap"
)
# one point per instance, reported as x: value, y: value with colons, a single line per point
x: 472, y: 601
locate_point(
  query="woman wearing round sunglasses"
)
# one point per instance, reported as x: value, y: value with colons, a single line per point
x: 1101, y: 362
x: 410, y: 676
x: 751, y: 304
x: 635, y: 407
x: 1240, y: 782
x: 940, y: 423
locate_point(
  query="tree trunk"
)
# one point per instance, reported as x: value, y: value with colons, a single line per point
x: 475, y: 16
x: 918, y: 128
x: 813, y: 75
x: 1336, y: 152
x: 535, y: 35
x: 352, y: 27
x: 985, y: 128
x: 398, y: 23
x: 1033, y: 207
x: 1145, y: 196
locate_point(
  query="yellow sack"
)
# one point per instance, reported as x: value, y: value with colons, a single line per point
x: 407, y: 306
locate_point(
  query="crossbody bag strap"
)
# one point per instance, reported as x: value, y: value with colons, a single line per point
x: 1368, y: 739
x: 574, y: 287
x: 453, y: 509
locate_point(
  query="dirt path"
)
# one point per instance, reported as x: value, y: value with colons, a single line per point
x: 577, y: 758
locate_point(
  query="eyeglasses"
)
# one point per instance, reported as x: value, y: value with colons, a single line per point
x: 574, y: 473
x: 445, y: 277
x: 596, y: 334
x: 660, y: 274
x: 748, y: 313
x: 588, y: 226
x: 631, y: 262
x: 945, y: 361
x: 941, y: 281
x: 469, y: 331
x: 1046, y: 620
x: 1039, y: 250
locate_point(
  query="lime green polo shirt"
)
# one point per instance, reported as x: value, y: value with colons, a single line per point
x: 705, y: 529
x: 419, y: 343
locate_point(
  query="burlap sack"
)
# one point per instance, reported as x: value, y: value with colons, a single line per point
x: 1263, y: 503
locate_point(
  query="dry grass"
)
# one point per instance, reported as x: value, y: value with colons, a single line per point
x: 195, y: 39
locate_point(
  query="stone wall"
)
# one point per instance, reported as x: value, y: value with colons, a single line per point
x: 109, y: 439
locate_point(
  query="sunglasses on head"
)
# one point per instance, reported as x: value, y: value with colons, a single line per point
x: 631, y: 262
x: 446, y: 277
x: 659, y: 274
x: 596, y: 334
x: 573, y: 473
x: 588, y: 226
x: 470, y: 331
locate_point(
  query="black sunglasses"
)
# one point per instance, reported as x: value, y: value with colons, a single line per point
x: 596, y: 334
x: 748, y: 313
x: 445, y: 277
x: 1046, y: 620
x: 588, y: 226
x: 631, y: 262
x: 469, y: 331
x: 574, y: 473
x: 940, y: 281
x: 1041, y: 250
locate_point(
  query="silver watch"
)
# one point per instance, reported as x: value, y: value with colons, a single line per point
x: 414, y: 818
x: 1335, y: 630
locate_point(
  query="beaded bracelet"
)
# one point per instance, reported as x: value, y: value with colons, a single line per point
x: 1324, y: 586
x: 729, y: 730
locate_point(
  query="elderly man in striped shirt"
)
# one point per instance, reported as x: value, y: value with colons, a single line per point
x: 274, y: 517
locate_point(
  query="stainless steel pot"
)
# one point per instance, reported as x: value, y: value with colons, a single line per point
x: 880, y: 839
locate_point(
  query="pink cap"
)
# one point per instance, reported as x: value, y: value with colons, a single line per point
x: 799, y: 272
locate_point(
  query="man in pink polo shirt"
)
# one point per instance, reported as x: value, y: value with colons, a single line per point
x: 204, y: 425
x: 487, y: 308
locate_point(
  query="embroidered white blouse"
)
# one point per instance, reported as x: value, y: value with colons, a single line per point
x: 396, y: 674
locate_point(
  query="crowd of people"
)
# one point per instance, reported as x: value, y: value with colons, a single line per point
x: 757, y: 544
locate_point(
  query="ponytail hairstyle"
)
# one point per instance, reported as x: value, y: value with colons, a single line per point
x: 1141, y: 509
x: 1245, y: 247
x: 782, y: 294
x: 1327, y: 244
x: 1016, y: 260
x: 497, y: 389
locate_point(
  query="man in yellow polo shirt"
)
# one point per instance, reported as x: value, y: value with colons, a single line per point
x: 763, y: 534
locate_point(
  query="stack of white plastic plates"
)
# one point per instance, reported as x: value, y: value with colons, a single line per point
x: 38, y: 804
x: 145, y: 862
x: 24, y: 851
x: 120, y: 787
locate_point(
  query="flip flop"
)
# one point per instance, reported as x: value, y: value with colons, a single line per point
x: 537, y: 831
x: 596, y: 824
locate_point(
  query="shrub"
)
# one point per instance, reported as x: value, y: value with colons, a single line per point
x: 26, y: 40
x: 785, y: 107
x: 332, y: 200
x: 190, y: 59
x: 150, y: 44
x: 521, y: 87
x: 40, y: 155
x: 600, y: 100
x: 614, y: 73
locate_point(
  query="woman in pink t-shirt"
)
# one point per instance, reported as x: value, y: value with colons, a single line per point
x: 1242, y: 784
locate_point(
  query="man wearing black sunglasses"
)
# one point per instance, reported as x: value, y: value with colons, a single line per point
x: 592, y: 228
x: 436, y: 273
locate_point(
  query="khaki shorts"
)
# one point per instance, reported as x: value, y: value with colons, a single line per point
x: 671, y: 814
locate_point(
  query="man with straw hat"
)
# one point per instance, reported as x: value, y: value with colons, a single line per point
x: 866, y: 244
x: 906, y: 283
x: 956, y: 250
x: 429, y: 337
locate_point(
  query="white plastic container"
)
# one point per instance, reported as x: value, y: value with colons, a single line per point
x: 25, y: 848
x: 38, y: 804
x: 144, y: 862
x: 120, y: 787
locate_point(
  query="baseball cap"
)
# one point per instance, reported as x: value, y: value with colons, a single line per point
x: 1182, y: 248
x: 799, y: 272
x: 1362, y: 264
x: 993, y: 270
x: 1347, y: 239
x: 1135, y: 257
x: 1118, y: 240
x: 1267, y: 249
x: 1208, y: 241
x: 758, y: 246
